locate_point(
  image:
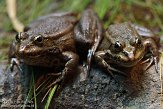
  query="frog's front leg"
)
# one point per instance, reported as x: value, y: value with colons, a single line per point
x: 15, y: 62
x: 151, y: 46
x: 100, y: 57
x: 72, y: 62
x: 12, y: 58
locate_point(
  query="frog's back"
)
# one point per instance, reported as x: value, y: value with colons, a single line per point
x: 51, y: 25
x: 57, y: 29
x: 123, y: 31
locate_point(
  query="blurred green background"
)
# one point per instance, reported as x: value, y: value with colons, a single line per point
x: 148, y: 13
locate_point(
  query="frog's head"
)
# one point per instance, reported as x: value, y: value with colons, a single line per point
x: 34, y: 48
x: 126, y: 46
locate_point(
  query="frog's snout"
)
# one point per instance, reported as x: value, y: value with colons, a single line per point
x: 131, y: 56
x: 129, y: 53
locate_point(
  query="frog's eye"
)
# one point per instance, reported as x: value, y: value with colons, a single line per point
x: 17, y: 37
x: 136, y: 42
x: 21, y: 36
x: 117, y: 46
x: 38, y: 39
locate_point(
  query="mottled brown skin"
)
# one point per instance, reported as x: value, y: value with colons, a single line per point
x: 125, y: 45
x: 88, y: 34
x: 48, y: 42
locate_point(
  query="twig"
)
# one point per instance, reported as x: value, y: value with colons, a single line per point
x: 11, y: 10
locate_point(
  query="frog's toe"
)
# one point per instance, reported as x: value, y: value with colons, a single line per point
x: 150, y: 61
x: 59, y: 79
x: 156, y: 64
x: 15, y: 62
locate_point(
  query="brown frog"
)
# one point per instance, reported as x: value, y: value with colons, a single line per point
x: 50, y: 41
x: 125, y: 45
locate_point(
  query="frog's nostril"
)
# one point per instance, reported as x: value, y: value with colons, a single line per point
x: 125, y: 53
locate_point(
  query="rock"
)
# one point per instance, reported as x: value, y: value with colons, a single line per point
x: 12, y: 88
x: 139, y: 90
x: 2, y: 78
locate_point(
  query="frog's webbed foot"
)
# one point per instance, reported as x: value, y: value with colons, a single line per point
x: 15, y: 62
x: 150, y: 61
x: 153, y: 49
x: 88, y: 34
x: 72, y: 62
x: 99, y: 58
x: 59, y: 79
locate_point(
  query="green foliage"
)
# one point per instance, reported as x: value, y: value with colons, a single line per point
x: 29, y: 10
x: 74, y: 5
x: 101, y: 7
x: 50, y: 97
x: 110, y: 11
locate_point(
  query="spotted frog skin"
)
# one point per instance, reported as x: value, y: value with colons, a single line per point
x: 125, y: 45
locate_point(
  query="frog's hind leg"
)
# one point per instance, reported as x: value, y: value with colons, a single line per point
x: 142, y: 31
x: 146, y: 33
x: 72, y: 62
x: 92, y: 50
x: 151, y: 45
x: 151, y: 42
x: 88, y: 34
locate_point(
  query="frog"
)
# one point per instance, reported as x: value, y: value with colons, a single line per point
x: 47, y: 42
x: 125, y: 45
x: 54, y: 41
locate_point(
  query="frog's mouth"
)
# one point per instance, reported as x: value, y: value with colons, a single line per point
x: 129, y: 63
x: 46, y: 57
x: 37, y: 52
x: 130, y: 59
